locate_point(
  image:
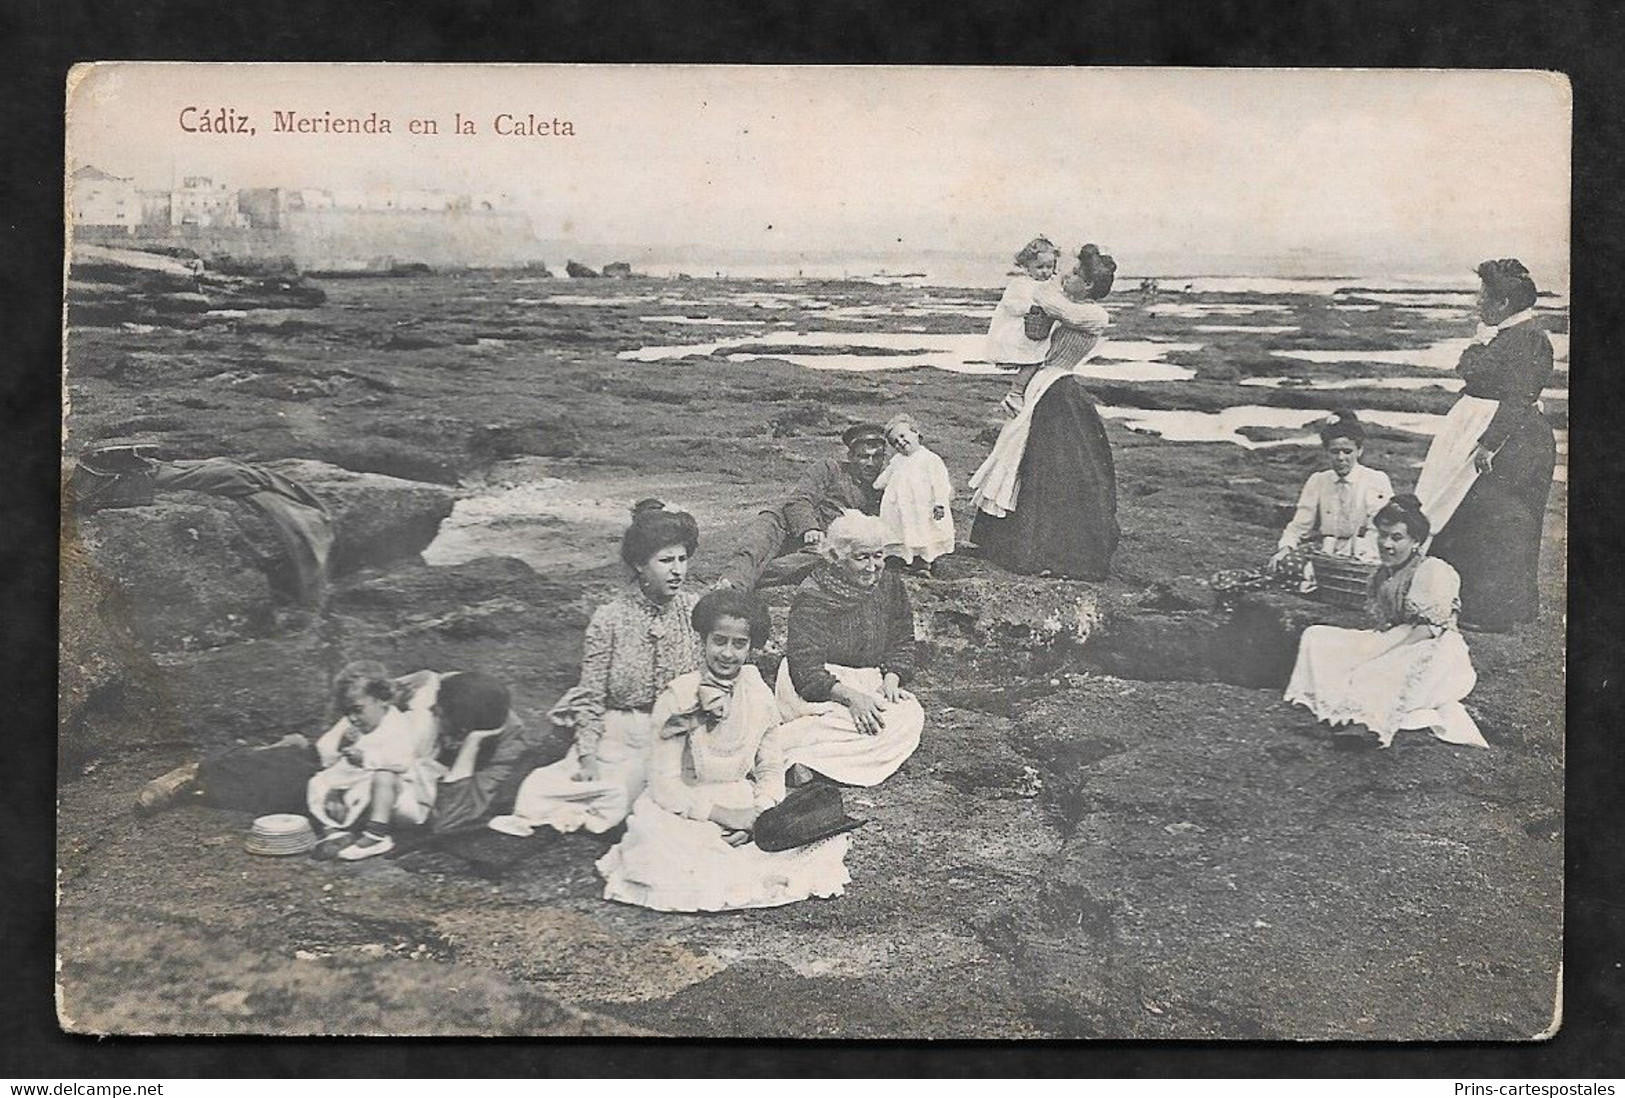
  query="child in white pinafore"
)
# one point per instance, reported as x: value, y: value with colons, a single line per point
x: 915, y: 499
x: 1009, y: 347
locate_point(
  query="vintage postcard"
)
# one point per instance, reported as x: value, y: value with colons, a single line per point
x: 813, y: 552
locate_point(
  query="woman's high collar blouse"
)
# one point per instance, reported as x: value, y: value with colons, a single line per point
x: 633, y: 649
x: 1511, y: 368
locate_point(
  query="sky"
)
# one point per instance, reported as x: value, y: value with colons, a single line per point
x: 1357, y: 171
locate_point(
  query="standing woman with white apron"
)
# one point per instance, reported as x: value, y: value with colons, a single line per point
x: 1489, y: 470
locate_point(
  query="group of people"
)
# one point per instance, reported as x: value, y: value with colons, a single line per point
x: 1463, y: 550
x: 727, y: 786
x: 676, y: 734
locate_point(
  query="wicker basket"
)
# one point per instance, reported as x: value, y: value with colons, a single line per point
x: 1340, y: 580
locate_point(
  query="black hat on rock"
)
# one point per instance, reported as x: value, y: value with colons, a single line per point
x: 811, y: 812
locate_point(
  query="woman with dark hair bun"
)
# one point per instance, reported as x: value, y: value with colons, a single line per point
x: 1046, y: 497
x: 1489, y: 470
x: 1336, y: 505
x: 636, y: 644
x: 1413, y: 670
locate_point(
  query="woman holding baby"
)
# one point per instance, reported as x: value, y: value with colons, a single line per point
x: 1046, y: 497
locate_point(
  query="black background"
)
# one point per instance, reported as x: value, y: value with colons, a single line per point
x: 43, y: 39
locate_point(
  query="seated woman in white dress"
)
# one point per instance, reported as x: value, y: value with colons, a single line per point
x: 849, y: 651
x: 1413, y: 670
x: 715, y: 764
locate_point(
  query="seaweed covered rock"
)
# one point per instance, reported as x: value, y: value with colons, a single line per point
x: 1172, y: 638
x: 492, y: 613
x: 982, y: 623
x: 542, y: 436
x: 109, y: 691
x: 190, y: 573
x: 252, y: 691
x: 108, y: 286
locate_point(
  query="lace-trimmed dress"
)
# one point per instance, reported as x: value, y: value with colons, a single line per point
x: 1411, y: 672
x: 673, y: 857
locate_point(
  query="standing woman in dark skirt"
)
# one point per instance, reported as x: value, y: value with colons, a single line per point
x: 1046, y: 497
x: 1489, y: 469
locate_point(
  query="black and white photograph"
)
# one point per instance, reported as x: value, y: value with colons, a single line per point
x: 813, y: 552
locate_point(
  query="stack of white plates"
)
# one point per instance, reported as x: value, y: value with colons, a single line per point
x: 280, y: 835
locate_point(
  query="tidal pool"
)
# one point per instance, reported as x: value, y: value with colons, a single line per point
x: 1442, y: 355
x: 1262, y: 329
x: 1225, y: 425
x: 1119, y: 360
x: 1196, y: 309
x: 675, y: 319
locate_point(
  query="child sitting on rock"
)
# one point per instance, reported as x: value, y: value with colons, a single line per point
x: 917, y: 492
x: 391, y: 772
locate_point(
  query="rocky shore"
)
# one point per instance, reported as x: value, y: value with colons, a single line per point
x: 1114, y: 827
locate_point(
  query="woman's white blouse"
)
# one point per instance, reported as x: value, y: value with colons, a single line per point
x: 1343, y: 515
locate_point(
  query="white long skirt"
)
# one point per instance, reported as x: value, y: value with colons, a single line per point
x: 823, y: 737
x: 1448, y: 471
x: 672, y: 863
x: 339, y: 795
x: 1397, y: 678
x: 555, y: 796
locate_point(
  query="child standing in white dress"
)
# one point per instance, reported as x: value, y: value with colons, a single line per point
x: 916, y: 493
x: 1008, y: 345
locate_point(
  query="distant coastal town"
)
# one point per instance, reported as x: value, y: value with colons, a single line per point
x: 316, y: 227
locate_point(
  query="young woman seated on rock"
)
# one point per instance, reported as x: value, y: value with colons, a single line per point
x: 715, y: 765
x: 636, y: 644
x: 849, y: 651
x: 405, y: 739
x: 1412, y: 670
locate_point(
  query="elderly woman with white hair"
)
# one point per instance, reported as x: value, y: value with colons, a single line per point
x: 848, y: 654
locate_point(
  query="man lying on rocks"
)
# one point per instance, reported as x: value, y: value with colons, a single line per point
x: 777, y: 548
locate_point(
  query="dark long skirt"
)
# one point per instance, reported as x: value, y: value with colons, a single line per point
x: 1493, y: 539
x: 1065, y: 521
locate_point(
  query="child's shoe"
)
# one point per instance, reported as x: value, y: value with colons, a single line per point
x: 331, y: 845
x: 368, y: 846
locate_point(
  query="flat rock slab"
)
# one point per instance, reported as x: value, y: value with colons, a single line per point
x: 378, y: 518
